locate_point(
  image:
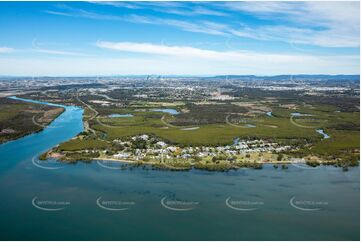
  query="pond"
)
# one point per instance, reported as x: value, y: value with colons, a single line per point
x: 166, y: 110
x: 321, y: 131
x: 301, y: 114
x: 116, y: 115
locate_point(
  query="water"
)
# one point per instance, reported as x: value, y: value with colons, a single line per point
x: 166, y: 110
x: 85, y: 192
x: 35, y: 101
x: 63, y: 128
x: 321, y: 131
x: 191, y: 128
x: 301, y: 114
x: 236, y: 141
x: 116, y: 115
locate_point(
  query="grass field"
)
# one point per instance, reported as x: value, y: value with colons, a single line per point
x: 81, y: 144
x: 211, y: 134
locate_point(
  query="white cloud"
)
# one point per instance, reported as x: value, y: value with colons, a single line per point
x: 39, y: 49
x: 165, y: 59
x: 6, y: 49
x: 80, y: 13
x: 58, y: 13
x: 171, y: 7
x: 327, y: 24
x: 265, y: 8
x: 146, y: 48
x: 324, y: 38
x: 257, y: 64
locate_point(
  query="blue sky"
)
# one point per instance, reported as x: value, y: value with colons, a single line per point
x: 182, y: 38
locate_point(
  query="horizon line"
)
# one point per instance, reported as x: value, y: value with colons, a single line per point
x: 179, y: 75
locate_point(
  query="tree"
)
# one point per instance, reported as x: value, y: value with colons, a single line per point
x: 197, y: 158
x: 139, y: 144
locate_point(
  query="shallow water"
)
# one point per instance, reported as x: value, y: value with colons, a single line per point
x: 301, y: 114
x: 321, y: 131
x: 245, y: 204
x: 116, y: 115
x: 166, y: 110
x: 35, y: 101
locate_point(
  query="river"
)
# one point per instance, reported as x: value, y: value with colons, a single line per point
x: 92, y: 202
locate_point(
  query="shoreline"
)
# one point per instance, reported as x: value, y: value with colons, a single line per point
x: 184, y: 166
x: 41, y: 128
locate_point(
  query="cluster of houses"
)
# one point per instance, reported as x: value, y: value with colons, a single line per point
x: 155, y: 148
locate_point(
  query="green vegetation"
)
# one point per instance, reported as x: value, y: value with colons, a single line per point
x: 81, y: 156
x: 43, y: 156
x: 210, y: 118
x: 82, y: 144
x: 18, y: 118
x: 210, y: 134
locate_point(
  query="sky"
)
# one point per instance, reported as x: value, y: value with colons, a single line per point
x: 179, y: 38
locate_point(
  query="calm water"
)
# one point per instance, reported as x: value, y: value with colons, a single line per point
x: 299, y: 203
x: 321, y: 131
x: 166, y: 110
x: 301, y: 114
x: 116, y: 115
